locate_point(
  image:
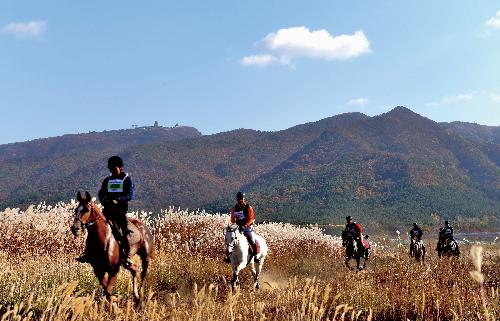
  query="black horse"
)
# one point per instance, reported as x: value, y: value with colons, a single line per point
x: 354, y: 251
x: 447, y: 247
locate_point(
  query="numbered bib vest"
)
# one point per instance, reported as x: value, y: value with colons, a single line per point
x: 241, y: 214
x: 115, y: 185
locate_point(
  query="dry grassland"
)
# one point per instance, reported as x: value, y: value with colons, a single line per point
x: 304, y: 277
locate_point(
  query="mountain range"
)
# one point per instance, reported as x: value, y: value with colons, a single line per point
x: 386, y: 171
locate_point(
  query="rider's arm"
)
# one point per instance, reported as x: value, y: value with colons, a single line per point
x: 250, y: 216
x: 233, y: 219
x: 360, y: 229
x: 128, y: 189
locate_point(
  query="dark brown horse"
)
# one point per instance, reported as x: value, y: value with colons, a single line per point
x: 102, y: 249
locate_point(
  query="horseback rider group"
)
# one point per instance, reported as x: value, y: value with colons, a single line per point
x: 354, y: 230
x: 118, y: 189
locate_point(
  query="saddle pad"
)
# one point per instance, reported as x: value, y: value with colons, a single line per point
x: 366, y: 244
x: 250, y: 247
x: 134, y: 235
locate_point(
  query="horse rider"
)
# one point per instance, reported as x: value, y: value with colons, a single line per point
x: 242, y: 215
x: 445, y: 235
x: 355, y: 231
x: 115, y: 193
x: 415, y: 232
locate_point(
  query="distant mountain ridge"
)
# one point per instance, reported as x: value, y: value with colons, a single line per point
x: 113, y: 140
x: 48, y: 168
x: 385, y: 170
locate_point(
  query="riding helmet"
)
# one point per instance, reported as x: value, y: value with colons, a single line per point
x: 115, y: 161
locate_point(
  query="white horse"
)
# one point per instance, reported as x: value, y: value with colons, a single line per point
x: 238, y: 248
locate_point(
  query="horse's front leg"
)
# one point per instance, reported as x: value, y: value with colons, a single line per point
x: 346, y: 261
x: 236, y: 272
x: 102, y: 277
x: 234, y: 280
x: 108, y: 288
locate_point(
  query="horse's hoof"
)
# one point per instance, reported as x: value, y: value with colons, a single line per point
x: 112, y: 299
x: 257, y: 285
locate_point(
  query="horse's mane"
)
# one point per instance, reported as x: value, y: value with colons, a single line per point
x: 98, y: 212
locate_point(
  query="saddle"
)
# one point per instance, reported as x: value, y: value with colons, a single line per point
x: 133, y: 233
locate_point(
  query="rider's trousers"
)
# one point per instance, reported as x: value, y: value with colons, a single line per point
x: 248, y: 232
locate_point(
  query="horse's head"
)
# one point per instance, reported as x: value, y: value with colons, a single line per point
x: 231, y: 236
x: 83, y: 213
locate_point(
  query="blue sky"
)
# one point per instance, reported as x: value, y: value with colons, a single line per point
x: 73, y: 67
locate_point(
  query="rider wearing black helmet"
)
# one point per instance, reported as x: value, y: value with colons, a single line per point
x: 415, y: 232
x: 242, y: 215
x: 354, y: 230
x: 115, y: 193
x: 445, y: 235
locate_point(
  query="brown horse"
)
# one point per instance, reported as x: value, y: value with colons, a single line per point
x: 102, y: 249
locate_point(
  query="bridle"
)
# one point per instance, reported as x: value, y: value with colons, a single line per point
x: 89, y: 222
x: 234, y: 241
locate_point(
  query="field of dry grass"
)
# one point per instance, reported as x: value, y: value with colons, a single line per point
x: 304, y: 277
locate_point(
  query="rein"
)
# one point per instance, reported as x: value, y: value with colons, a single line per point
x: 93, y: 218
x: 235, y: 240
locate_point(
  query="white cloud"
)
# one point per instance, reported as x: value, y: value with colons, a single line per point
x: 31, y: 29
x: 289, y: 43
x: 446, y: 100
x: 481, y: 98
x: 494, y: 22
x: 358, y: 101
x: 300, y: 41
x: 495, y: 98
x: 458, y: 98
x: 259, y: 60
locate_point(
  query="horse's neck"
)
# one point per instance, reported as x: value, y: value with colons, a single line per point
x: 242, y: 240
x: 97, y: 214
x: 99, y: 224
